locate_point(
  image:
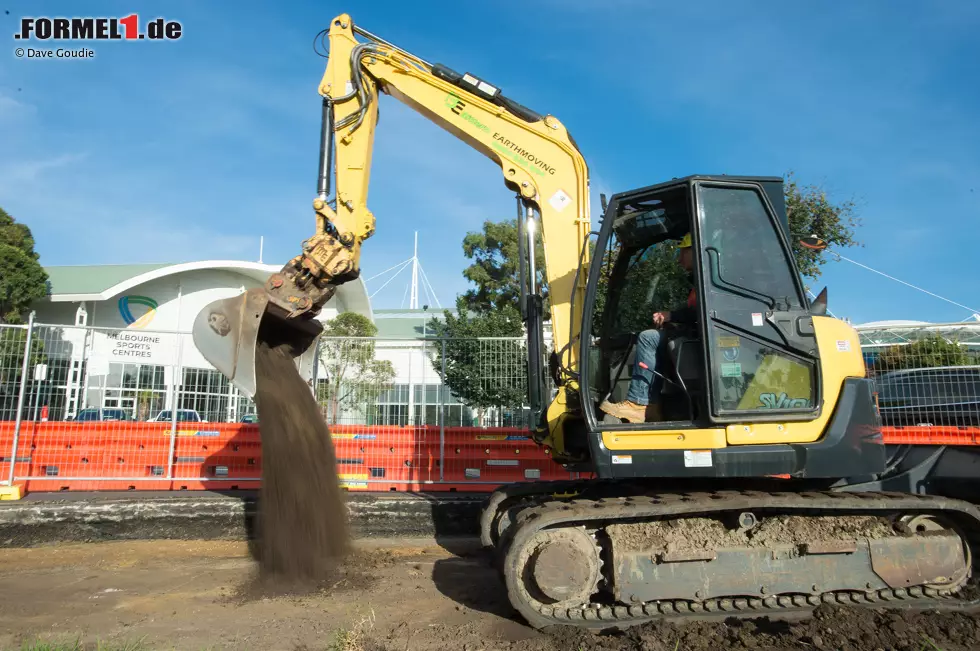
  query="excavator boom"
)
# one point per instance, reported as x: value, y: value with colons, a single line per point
x: 537, y: 157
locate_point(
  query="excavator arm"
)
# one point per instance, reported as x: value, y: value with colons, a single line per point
x: 536, y: 155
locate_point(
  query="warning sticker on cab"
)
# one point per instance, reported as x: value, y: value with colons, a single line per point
x: 697, y: 458
x: 621, y: 458
x: 843, y: 346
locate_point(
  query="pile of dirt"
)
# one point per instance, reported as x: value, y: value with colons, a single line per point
x: 843, y: 629
x: 303, y: 530
x: 358, y: 572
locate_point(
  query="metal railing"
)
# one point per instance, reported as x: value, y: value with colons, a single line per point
x: 144, y: 392
x: 925, y: 375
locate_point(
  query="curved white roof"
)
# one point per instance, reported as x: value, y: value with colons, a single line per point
x: 893, y: 324
x: 102, y: 282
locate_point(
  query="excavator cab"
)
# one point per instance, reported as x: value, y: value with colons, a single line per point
x: 644, y: 277
x: 757, y: 379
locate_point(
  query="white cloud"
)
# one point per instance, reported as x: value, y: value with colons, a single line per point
x: 12, y: 110
x: 14, y: 176
x: 169, y: 240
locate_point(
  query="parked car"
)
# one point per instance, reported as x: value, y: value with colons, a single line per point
x: 942, y: 396
x: 250, y: 418
x: 100, y: 413
x: 183, y: 416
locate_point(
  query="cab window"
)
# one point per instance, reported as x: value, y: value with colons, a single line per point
x: 755, y: 376
x: 750, y: 255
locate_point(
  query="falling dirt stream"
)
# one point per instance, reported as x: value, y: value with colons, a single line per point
x: 302, y: 523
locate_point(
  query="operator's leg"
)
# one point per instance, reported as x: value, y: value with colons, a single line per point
x: 642, y: 402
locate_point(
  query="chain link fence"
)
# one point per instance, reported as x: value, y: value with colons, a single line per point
x: 363, y: 381
x: 89, y: 403
x: 925, y: 375
x: 86, y: 403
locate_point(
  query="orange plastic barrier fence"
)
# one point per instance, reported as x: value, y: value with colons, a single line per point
x: 54, y: 456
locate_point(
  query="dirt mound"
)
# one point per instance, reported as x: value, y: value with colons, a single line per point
x: 843, y: 629
x: 356, y: 574
x: 302, y: 523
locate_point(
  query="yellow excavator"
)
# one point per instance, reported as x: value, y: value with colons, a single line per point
x: 760, y: 489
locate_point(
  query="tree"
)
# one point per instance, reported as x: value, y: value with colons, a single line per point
x: 495, y: 267
x: 929, y: 352
x: 22, y: 279
x: 482, y: 373
x: 354, y: 377
x: 810, y: 212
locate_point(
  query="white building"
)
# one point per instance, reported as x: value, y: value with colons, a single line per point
x: 123, y: 336
x: 118, y: 337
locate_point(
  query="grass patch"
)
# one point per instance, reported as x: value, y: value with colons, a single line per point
x: 76, y: 645
x: 352, y: 639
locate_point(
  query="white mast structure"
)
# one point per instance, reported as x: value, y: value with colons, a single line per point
x: 418, y: 280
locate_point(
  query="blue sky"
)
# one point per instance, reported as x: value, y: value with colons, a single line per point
x: 168, y: 152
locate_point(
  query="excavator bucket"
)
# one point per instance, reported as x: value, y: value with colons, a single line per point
x: 226, y: 332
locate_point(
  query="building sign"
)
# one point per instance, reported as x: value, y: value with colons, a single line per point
x: 135, y: 347
x: 126, y: 312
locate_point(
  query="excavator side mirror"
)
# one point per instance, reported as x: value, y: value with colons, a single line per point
x: 819, y: 305
x: 813, y: 242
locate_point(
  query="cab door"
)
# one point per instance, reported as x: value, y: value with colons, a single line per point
x: 761, y: 357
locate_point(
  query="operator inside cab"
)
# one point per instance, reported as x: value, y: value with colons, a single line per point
x: 642, y: 402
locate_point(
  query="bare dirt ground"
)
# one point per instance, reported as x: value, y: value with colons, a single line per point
x: 405, y: 595
x: 200, y: 595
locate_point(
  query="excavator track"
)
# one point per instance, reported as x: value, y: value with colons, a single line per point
x: 591, y: 599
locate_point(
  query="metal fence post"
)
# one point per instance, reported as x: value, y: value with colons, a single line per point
x: 442, y: 414
x: 20, y: 396
x: 178, y: 380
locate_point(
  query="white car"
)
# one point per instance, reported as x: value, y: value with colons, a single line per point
x: 183, y: 416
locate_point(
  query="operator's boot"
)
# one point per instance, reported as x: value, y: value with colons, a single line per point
x: 634, y: 413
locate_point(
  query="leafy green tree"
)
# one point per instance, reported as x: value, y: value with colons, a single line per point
x: 22, y: 279
x: 22, y: 282
x: 482, y: 373
x: 494, y: 271
x: 810, y: 212
x: 355, y: 378
x: 929, y: 352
